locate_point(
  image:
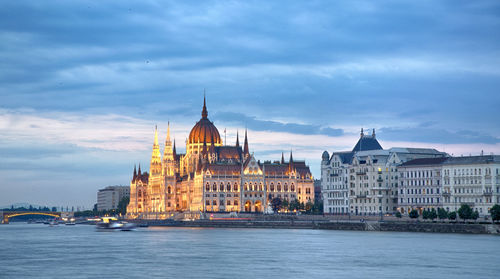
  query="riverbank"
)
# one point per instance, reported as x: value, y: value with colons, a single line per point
x: 396, y: 226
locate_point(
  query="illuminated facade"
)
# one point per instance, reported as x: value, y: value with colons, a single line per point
x: 213, y: 177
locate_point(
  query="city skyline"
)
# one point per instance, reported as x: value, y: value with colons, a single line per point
x: 84, y: 84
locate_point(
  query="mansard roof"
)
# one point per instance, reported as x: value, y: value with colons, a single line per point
x: 425, y: 162
x: 367, y: 143
x: 485, y: 159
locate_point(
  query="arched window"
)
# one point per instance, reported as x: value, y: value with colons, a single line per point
x: 261, y: 188
x: 214, y: 187
x: 228, y: 202
x: 299, y: 190
x: 235, y: 187
x: 272, y: 187
x: 214, y: 202
x: 221, y: 187
x: 169, y: 189
x: 292, y: 188
x: 235, y: 202
x: 246, y: 187
x: 285, y: 187
x: 278, y: 187
x: 207, y: 202
x: 207, y: 187
x: 228, y: 188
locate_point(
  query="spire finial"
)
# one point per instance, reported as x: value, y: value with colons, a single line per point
x: 135, y: 173
x: 282, y: 158
x: 362, y: 134
x: 237, y: 139
x: 156, y: 136
x: 174, y: 151
x: 168, y: 131
x: 373, y: 133
x: 245, y: 147
x: 204, y: 112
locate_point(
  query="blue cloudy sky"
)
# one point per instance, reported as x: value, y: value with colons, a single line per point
x: 83, y: 83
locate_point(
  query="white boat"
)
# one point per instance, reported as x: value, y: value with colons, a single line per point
x: 112, y: 224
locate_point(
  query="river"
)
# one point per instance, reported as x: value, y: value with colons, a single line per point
x: 41, y: 251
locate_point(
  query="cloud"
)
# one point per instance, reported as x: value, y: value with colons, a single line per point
x: 425, y: 133
x: 269, y: 125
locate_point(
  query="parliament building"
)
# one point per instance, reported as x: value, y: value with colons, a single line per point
x: 213, y: 177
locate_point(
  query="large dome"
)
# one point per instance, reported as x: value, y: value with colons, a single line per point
x: 204, y: 130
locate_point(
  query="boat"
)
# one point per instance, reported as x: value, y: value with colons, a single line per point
x: 53, y: 223
x: 113, y: 224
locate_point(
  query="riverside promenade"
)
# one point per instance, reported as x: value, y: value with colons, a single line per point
x: 360, y: 223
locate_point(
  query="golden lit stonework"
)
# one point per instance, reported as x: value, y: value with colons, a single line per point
x: 212, y: 177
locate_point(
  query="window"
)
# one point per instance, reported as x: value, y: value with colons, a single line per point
x: 228, y: 202
x: 207, y: 203
x: 235, y: 187
x: 214, y: 187
x: 235, y: 203
x: 207, y: 187
x: 214, y: 202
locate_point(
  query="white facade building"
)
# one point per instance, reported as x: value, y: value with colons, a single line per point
x: 472, y: 180
x: 364, y: 181
x: 109, y: 197
x: 420, y: 185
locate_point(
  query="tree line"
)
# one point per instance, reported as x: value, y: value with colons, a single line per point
x: 465, y: 212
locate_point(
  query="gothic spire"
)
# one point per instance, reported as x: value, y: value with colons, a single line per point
x: 362, y: 134
x: 373, y: 133
x: 168, y: 131
x: 237, y: 139
x: 204, y: 112
x: 282, y: 158
x: 174, y: 151
x: 245, y: 147
x: 135, y: 173
x: 290, y: 164
x: 139, y: 172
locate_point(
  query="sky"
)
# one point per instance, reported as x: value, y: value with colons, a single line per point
x: 83, y: 83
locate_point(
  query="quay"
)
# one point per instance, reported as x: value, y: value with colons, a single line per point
x: 332, y: 224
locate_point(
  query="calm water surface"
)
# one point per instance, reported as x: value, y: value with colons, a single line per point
x: 40, y: 251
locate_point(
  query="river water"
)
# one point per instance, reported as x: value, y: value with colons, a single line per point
x: 41, y: 251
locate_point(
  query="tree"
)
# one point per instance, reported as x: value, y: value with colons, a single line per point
x: 318, y: 207
x: 294, y: 205
x: 432, y: 214
x: 495, y: 212
x: 452, y: 215
x: 465, y: 212
x: 398, y: 214
x: 122, y: 205
x: 309, y: 206
x: 474, y: 215
x: 413, y: 214
x: 442, y: 214
x: 285, y: 205
x: 276, y: 204
x: 425, y: 214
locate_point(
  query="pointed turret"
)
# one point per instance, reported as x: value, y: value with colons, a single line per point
x: 139, y: 172
x: 204, y: 112
x: 135, y: 174
x: 237, y: 139
x: 155, y: 167
x: 245, y: 146
x: 211, y: 150
x: 174, y: 151
x: 362, y: 134
x: 373, y: 133
x: 205, y: 149
x: 291, y: 167
x: 282, y: 158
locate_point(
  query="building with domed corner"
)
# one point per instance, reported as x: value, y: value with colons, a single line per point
x: 213, y: 177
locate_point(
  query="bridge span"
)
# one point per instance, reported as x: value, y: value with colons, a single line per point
x: 6, y: 215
